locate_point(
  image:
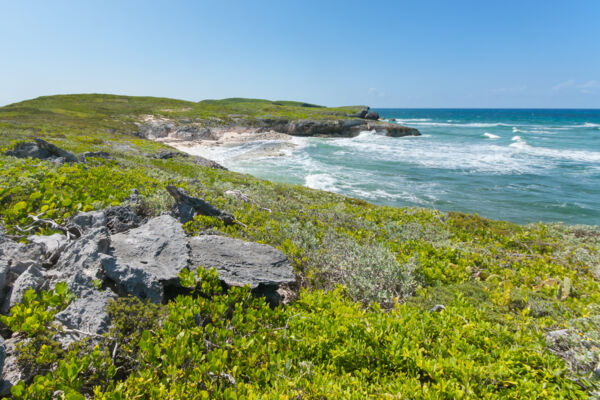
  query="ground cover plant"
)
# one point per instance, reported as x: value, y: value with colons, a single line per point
x: 370, y: 276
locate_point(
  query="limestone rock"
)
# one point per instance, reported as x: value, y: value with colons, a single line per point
x: 240, y: 263
x: 80, y: 263
x: 88, y: 313
x: 32, y: 278
x: 205, y: 162
x: 52, y: 243
x: 89, y: 220
x: 372, y: 115
x: 4, y: 270
x: 2, y: 354
x: 28, y: 150
x: 360, y: 114
x: 148, y: 258
x: 121, y: 218
x: 11, y: 373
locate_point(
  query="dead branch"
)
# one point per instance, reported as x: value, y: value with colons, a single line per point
x: 70, y: 232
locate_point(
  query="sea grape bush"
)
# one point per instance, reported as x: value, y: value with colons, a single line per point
x: 229, y: 345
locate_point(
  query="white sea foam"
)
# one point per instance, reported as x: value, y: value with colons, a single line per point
x: 321, y: 181
x: 515, y: 129
x: 407, y: 120
x: 491, y: 135
x: 461, y: 125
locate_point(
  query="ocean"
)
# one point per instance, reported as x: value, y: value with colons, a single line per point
x: 516, y: 165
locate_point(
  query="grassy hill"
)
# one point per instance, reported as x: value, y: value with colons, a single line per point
x: 99, y: 112
x: 363, y: 325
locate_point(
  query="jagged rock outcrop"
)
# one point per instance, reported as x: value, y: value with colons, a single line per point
x: 122, y: 218
x: 87, y: 314
x: 298, y: 127
x: 31, y: 278
x: 360, y: 114
x: 2, y: 354
x: 41, y: 150
x: 374, y: 115
x: 198, y: 160
x: 148, y: 258
x: 117, y: 253
x: 345, y: 128
x: 241, y: 263
x: 11, y: 373
x: 188, y: 206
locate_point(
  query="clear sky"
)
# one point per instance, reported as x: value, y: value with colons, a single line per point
x: 452, y: 53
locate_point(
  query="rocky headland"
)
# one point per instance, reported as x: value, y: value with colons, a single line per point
x: 240, y: 130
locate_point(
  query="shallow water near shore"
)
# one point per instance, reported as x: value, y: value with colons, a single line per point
x: 516, y: 165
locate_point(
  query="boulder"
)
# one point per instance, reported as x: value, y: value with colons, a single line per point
x: 11, y: 373
x: 241, y: 263
x: 32, y: 278
x: 80, y: 263
x: 21, y: 256
x: 148, y: 259
x: 122, y: 218
x: 88, y: 313
x: 89, y: 220
x: 4, y: 270
x: 55, y: 150
x: 2, y: 354
x: 360, y: 114
x: 186, y: 207
x: 165, y: 155
x: 52, y: 243
x: 28, y: 150
x: 374, y: 115
x: 41, y: 150
x: 205, y: 162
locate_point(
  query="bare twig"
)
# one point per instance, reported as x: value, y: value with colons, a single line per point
x: 38, y: 221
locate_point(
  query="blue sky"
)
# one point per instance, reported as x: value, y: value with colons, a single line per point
x: 381, y: 53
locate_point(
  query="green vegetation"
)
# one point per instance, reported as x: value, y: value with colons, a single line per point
x: 362, y: 325
x: 109, y: 113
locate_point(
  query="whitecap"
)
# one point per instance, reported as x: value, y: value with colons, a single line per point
x: 321, y: 181
x: 491, y: 135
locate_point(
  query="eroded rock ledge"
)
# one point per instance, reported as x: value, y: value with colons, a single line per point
x: 161, y: 128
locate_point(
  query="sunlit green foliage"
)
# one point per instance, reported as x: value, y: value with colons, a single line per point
x: 229, y: 345
x: 503, y: 285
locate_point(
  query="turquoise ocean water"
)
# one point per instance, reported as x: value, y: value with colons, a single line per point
x: 516, y: 165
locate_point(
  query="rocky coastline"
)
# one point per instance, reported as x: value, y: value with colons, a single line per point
x: 249, y: 129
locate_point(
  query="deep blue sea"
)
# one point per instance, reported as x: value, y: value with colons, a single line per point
x: 516, y: 165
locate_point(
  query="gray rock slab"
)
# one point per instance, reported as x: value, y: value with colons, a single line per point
x: 53, y: 243
x: 11, y: 373
x: 240, y: 263
x: 80, y: 262
x: 88, y: 313
x: 32, y: 278
x: 89, y: 220
x: 121, y: 219
x: 2, y: 354
x: 148, y: 257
